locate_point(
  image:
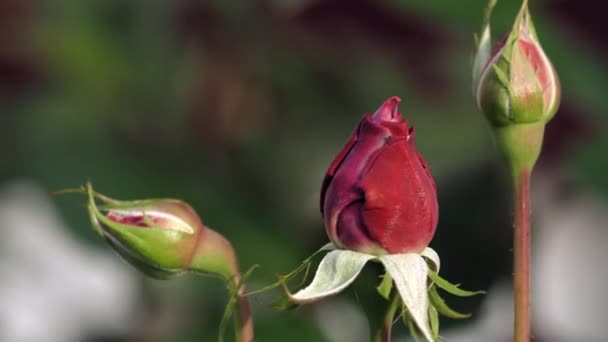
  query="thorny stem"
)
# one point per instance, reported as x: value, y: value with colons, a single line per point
x: 521, y: 257
x: 521, y: 145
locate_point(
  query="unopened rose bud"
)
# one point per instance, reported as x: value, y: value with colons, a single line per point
x: 518, y: 84
x: 517, y: 89
x: 161, y: 237
x: 378, y: 195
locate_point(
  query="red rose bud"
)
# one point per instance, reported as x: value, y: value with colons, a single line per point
x: 378, y: 195
x: 161, y: 237
x: 518, y: 83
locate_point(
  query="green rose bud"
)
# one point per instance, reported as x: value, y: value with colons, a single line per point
x: 161, y: 237
x: 516, y: 88
x: 518, y: 83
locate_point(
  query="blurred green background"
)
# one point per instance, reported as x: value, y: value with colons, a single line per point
x: 238, y: 107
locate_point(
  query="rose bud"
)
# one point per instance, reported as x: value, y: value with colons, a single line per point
x: 378, y: 195
x: 517, y: 84
x: 161, y: 237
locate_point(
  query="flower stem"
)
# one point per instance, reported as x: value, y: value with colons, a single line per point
x: 383, y: 334
x: 521, y: 256
x: 244, y: 318
x: 521, y: 145
x: 214, y: 254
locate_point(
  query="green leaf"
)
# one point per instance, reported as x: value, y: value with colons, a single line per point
x: 232, y: 302
x: 483, y: 45
x: 409, y: 272
x: 440, y: 306
x: 337, y: 270
x: 529, y: 108
x: 434, y: 320
x: 409, y: 322
x: 283, y: 303
x: 502, y: 77
x: 488, y: 12
x: 304, y: 267
x: 452, y: 288
x: 482, y: 57
x: 230, y: 306
x: 385, y: 287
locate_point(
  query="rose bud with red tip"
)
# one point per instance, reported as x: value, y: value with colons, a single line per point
x: 161, y: 237
x: 378, y: 195
x: 518, y: 83
x: 517, y: 89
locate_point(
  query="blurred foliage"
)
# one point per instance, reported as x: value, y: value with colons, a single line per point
x: 238, y: 107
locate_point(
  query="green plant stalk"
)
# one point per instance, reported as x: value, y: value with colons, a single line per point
x: 521, y: 145
x: 383, y: 332
x: 244, y: 319
x: 220, y: 257
x: 521, y: 257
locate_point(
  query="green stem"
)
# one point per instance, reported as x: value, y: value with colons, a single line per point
x: 521, y: 256
x: 244, y: 320
x: 214, y: 254
x: 383, y: 333
x: 521, y: 145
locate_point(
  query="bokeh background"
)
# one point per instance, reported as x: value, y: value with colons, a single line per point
x: 238, y: 107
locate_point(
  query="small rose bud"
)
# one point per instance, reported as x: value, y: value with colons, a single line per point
x: 518, y: 84
x: 378, y: 195
x: 161, y: 237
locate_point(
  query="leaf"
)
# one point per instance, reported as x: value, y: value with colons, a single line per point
x: 483, y: 44
x: 304, y: 266
x: 283, y: 303
x: 439, y: 304
x: 482, y: 56
x: 226, y: 317
x: 411, y: 327
x: 452, y: 288
x: 409, y: 272
x: 434, y: 320
x: 431, y: 255
x: 488, y: 12
x: 337, y: 270
x: 232, y: 302
x: 502, y: 77
x: 385, y: 287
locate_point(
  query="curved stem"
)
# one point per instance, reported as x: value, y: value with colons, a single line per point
x: 383, y: 334
x: 521, y: 257
x: 244, y: 318
x: 214, y: 254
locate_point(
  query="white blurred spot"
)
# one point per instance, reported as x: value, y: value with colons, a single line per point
x: 342, y: 321
x: 570, y: 299
x: 54, y: 288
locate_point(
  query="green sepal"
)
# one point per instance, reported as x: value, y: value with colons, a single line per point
x: 233, y: 289
x: 410, y: 275
x: 451, y: 288
x: 409, y: 322
x: 440, y: 306
x: 385, y: 287
x: 282, y: 302
x: 150, y: 250
x: 483, y: 45
x: 434, y: 322
x: 338, y: 269
x: 136, y: 260
x: 303, y: 267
